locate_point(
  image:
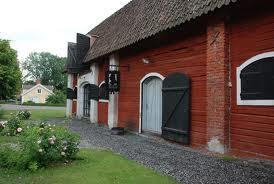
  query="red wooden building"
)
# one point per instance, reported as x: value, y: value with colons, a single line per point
x: 197, y: 72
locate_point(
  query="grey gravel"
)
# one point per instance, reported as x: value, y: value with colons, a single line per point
x: 185, y: 164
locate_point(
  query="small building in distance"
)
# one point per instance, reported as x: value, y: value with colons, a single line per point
x: 37, y: 93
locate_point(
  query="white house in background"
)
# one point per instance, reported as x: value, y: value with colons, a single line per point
x: 37, y: 93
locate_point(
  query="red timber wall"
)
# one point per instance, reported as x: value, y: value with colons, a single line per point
x: 102, y: 106
x: 251, y: 127
x: 187, y: 55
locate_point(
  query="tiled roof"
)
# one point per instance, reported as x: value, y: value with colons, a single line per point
x: 140, y: 19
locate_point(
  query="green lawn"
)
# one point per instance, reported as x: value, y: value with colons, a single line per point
x: 94, y: 166
x: 39, y: 114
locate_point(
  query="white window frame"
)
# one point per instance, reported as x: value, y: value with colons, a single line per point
x: 239, y: 69
x: 102, y: 100
x: 40, y: 91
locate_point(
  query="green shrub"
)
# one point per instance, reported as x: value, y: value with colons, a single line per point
x: 2, y: 125
x: 8, y: 156
x: 57, y: 98
x: 40, y: 146
x: 13, y: 126
x: 24, y: 115
x: 29, y: 103
x: 44, y: 104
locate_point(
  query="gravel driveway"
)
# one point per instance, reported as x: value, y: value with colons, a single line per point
x: 23, y: 107
x: 184, y: 164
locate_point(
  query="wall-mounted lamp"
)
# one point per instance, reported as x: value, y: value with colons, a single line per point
x: 145, y: 60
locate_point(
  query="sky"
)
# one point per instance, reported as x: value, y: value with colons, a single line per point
x: 47, y: 25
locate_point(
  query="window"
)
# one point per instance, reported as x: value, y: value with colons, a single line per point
x: 255, y: 80
x: 103, y: 93
x: 86, y: 103
x: 39, y: 90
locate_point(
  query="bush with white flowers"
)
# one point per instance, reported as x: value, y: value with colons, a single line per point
x: 2, y: 125
x: 12, y: 127
x: 41, y: 145
x: 24, y: 115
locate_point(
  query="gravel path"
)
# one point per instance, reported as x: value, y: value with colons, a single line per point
x: 23, y: 107
x: 184, y: 164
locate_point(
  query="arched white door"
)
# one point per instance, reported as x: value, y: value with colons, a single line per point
x: 152, y: 105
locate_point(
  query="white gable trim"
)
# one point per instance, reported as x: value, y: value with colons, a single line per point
x: 238, y: 72
x: 38, y: 85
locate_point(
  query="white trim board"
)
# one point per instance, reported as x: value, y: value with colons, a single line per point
x: 238, y: 80
x: 152, y: 74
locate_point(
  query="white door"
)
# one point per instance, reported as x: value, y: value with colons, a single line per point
x: 152, y: 105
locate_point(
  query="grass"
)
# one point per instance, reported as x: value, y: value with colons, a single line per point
x: 2, y: 112
x: 228, y: 158
x: 38, y: 114
x: 94, y: 167
x: 44, y: 104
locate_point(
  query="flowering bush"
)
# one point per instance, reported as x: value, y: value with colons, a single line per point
x: 13, y: 126
x: 40, y: 146
x: 2, y: 125
x: 24, y: 115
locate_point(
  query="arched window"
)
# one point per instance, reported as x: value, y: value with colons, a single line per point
x: 103, y: 93
x: 255, y: 80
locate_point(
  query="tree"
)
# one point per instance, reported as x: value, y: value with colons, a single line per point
x: 57, y: 98
x: 10, y: 74
x: 29, y: 82
x: 47, y: 68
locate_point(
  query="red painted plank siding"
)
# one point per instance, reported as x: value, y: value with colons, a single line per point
x: 102, y: 106
x: 252, y: 127
x: 188, y: 56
